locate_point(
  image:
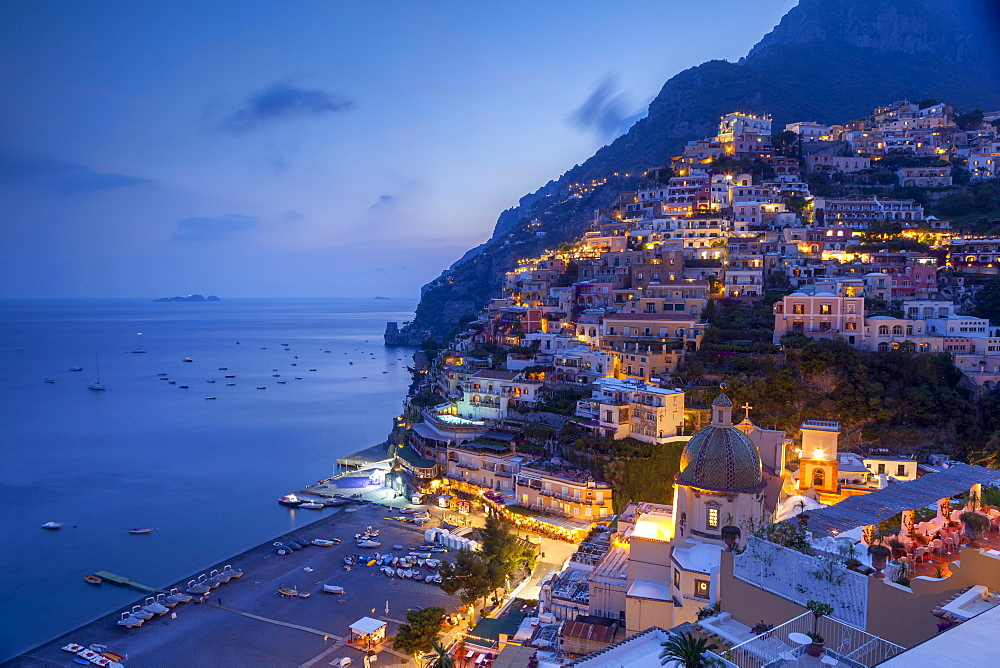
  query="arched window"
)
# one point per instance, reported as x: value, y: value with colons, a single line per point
x: 883, y: 330
x: 924, y: 347
x: 819, y: 477
x: 593, y: 331
x: 883, y: 347
x: 897, y: 330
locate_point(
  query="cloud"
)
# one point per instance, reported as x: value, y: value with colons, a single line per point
x: 383, y: 201
x: 282, y: 102
x: 605, y: 111
x: 201, y: 228
x: 293, y: 216
x: 58, y: 175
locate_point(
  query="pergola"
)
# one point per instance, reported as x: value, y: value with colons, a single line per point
x: 933, y: 489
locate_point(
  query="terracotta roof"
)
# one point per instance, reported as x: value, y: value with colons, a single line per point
x: 585, y: 631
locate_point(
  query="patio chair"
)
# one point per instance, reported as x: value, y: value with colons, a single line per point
x: 937, y: 545
x: 918, y: 554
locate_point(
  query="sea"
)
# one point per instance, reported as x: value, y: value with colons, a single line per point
x: 204, y: 474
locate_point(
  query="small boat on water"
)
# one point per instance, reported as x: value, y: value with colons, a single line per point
x: 93, y: 579
x: 188, y: 359
x: 223, y: 368
x: 50, y: 381
x: 231, y: 376
x: 209, y: 398
x: 312, y: 505
x: 298, y: 378
x: 312, y: 369
x: 230, y: 384
x: 210, y: 381
x: 52, y: 525
x: 185, y: 387
x: 290, y: 500
x: 261, y: 387
x: 282, y: 382
x: 140, y: 530
x: 76, y: 368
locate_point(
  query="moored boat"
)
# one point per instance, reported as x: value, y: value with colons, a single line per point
x: 290, y: 500
x: 140, y: 530
x: 52, y: 526
x: 93, y: 579
x: 177, y: 597
x: 312, y: 505
x: 128, y: 621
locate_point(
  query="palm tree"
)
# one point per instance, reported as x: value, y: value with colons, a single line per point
x: 439, y: 657
x: 687, y: 651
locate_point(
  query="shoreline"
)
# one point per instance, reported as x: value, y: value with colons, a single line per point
x: 255, y: 595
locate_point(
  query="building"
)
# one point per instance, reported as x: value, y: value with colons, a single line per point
x: 819, y: 162
x: 862, y: 212
x: 924, y: 177
x: 621, y: 408
x: 823, y: 310
x: 563, y: 490
x: 491, y: 393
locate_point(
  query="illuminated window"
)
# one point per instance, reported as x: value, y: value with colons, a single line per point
x: 701, y: 588
x: 825, y: 309
x: 713, y: 518
x: 798, y: 309
x: 677, y: 578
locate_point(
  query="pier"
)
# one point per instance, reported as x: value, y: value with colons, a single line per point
x: 123, y: 581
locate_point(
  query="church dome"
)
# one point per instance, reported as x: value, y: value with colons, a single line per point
x: 720, y: 457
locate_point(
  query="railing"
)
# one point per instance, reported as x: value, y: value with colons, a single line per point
x: 845, y: 643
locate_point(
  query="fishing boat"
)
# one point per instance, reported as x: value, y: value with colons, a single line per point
x: 93, y: 579
x: 223, y: 368
x: 188, y: 359
x: 52, y: 525
x: 282, y: 382
x: 322, y: 543
x: 230, y: 384
x: 312, y: 505
x: 139, y: 530
x: 97, y: 385
x: 209, y: 398
x: 231, y: 376
x: 369, y: 543
x: 139, y: 348
x: 185, y: 387
x: 333, y: 589
x: 212, y: 380
x: 288, y: 591
x: 261, y: 387
x: 290, y: 500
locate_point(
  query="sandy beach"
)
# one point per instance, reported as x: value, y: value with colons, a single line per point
x: 247, y: 623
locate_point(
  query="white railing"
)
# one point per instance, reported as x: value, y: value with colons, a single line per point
x: 800, y: 577
x: 850, y: 646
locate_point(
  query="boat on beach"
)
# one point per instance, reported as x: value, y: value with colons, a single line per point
x: 130, y: 622
x: 177, y: 597
x: 197, y: 588
x: 312, y: 505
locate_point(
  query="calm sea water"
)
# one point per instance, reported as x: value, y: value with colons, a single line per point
x: 204, y: 474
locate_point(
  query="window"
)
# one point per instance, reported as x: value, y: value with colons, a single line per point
x: 713, y: 517
x: 900, y: 470
x: 701, y: 588
x: 851, y: 325
x: 883, y: 330
x: 819, y: 477
x: 677, y: 578
x: 881, y: 468
x: 798, y: 309
x: 825, y: 309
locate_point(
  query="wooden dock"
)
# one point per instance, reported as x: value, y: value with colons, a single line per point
x: 123, y: 581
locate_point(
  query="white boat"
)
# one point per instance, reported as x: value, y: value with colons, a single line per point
x: 369, y: 543
x: 76, y: 368
x: 188, y: 359
x: 52, y: 525
x: 209, y: 398
x: 177, y: 597
x: 234, y: 573
x: 154, y: 607
x: 321, y: 542
x: 97, y: 386
x: 312, y: 505
x: 130, y: 622
x: 333, y: 589
x: 139, y: 348
x: 196, y: 588
x: 166, y: 602
x: 139, y: 613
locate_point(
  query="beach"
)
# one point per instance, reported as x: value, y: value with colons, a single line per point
x: 253, y: 624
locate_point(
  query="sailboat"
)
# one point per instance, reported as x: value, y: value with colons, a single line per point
x: 139, y: 348
x: 97, y: 385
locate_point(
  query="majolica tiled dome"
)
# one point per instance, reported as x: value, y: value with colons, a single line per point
x: 720, y: 457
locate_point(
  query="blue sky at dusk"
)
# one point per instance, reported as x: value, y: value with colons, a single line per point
x: 309, y: 148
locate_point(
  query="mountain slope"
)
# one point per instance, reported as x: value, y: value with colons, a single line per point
x: 825, y: 61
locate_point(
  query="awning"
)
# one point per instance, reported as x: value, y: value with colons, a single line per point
x: 366, y: 626
x: 880, y: 505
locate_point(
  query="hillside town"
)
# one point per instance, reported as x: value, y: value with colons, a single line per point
x: 793, y: 545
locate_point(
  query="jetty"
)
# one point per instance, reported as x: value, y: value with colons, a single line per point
x: 123, y: 581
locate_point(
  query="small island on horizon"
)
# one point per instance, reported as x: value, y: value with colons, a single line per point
x: 189, y: 298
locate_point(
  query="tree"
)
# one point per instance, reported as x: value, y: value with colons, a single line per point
x: 970, y: 120
x: 925, y: 102
x: 440, y: 658
x: 419, y: 633
x: 684, y: 649
x: 504, y: 552
x: 784, y: 142
x: 988, y: 301
x: 468, y: 576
